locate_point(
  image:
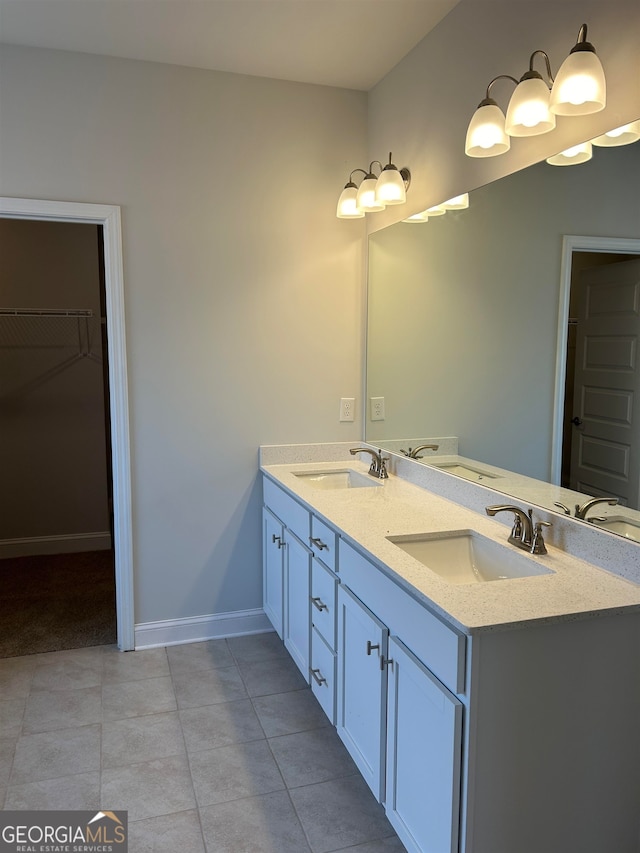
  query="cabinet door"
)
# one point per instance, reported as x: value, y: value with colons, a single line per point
x: 297, y: 618
x: 273, y: 569
x: 362, y: 683
x: 424, y: 738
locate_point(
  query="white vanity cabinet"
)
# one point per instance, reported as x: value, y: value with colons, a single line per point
x: 324, y: 592
x: 273, y: 569
x: 401, y: 725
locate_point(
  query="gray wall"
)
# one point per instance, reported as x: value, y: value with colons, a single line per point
x: 243, y: 293
x: 52, y: 453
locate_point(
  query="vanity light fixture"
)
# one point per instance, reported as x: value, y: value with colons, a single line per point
x: 578, y: 89
x: 458, y: 202
x: 624, y: 135
x: 528, y: 113
x: 417, y: 217
x: 572, y: 156
x: 347, y: 203
x: 375, y: 191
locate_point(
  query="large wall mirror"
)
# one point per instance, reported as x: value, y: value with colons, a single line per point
x: 476, y: 317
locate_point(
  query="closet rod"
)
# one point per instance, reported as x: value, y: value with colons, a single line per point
x: 46, y: 312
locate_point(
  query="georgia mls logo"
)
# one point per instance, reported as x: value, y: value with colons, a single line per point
x: 63, y: 832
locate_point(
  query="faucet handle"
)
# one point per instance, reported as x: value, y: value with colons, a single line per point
x: 537, y: 543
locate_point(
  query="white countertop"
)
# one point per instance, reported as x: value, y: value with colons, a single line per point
x: 366, y: 516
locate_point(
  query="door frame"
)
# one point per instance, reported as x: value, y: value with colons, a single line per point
x: 572, y: 243
x: 108, y: 217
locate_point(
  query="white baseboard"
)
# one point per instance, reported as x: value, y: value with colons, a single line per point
x: 194, y: 629
x: 69, y: 543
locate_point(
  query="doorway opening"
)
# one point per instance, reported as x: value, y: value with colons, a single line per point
x: 103, y: 348
x: 595, y: 450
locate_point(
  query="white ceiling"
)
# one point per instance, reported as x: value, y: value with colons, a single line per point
x: 345, y: 43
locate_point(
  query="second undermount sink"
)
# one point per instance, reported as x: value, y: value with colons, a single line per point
x: 466, y: 471
x: 620, y: 525
x: 346, y: 479
x: 464, y: 556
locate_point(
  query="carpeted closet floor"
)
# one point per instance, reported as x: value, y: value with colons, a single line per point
x: 63, y: 601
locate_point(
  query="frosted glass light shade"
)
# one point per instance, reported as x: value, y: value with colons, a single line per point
x: 390, y: 187
x: 347, y: 204
x: 486, y: 135
x: 436, y: 210
x: 417, y: 217
x: 366, y: 198
x: 572, y: 156
x: 580, y: 87
x: 458, y: 202
x: 528, y: 113
x: 624, y: 135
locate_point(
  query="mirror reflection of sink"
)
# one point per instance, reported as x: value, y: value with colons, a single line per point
x: 346, y: 479
x: 475, y: 474
x: 620, y: 525
x: 464, y: 556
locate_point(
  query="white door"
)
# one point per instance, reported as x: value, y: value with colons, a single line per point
x: 424, y: 743
x: 605, y: 448
x: 362, y: 687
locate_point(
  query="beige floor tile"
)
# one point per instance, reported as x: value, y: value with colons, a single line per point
x: 132, y: 666
x: 257, y: 647
x: 48, y: 710
x: 211, y: 726
x: 149, y: 789
x: 136, y: 739
x: 167, y: 834
x: 195, y: 657
x: 16, y: 675
x: 194, y: 689
x: 80, y: 791
x: 305, y: 758
x: 66, y: 673
x: 232, y: 772
x: 7, y: 752
x: 11, y: 714
x: 266, y: 824
x: 287, y: 713
x: 136, y: 698
x: 274, y: 675
x: 63, y: 752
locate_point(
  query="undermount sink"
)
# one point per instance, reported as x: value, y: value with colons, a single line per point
x: 474, y: 474
x: 464, y: 556
x: 346, y: 479
x: 620, y: 525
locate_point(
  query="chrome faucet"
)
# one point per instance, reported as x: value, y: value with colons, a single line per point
x: 379, y: 462
x: 581, y: 511
x: 413, y: 454
x: 524, y: 533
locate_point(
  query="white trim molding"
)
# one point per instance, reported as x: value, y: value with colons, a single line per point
x: 196, y: 629
x: 570, y: 244
x: 108, y: 216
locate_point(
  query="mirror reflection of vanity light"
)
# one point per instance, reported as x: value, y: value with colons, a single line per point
x: 572, y: 156
x: 624, y: 135
x: 459, y: 202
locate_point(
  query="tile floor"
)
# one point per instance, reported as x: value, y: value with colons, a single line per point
x: 216, y: 746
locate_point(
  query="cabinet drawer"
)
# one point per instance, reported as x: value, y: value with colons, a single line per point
x: 323, y: 675
x: 438, y: 646
x: 289, y: 511
x: 324, y: 542
x: 323, y: 602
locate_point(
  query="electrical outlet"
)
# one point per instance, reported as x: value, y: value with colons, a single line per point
x: 347, y: 408
x: 377, y: 408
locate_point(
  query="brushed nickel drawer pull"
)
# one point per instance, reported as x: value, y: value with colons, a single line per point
x: 385, y: 662
x: 277, y: 539
x: 319, y: 544
x: 371, y: 647
x: 320, y: 679
x: 319, y: 603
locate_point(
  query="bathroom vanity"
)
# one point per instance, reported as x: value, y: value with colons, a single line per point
x: 488, y: 713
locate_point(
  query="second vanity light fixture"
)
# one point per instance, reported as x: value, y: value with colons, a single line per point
x: 578, y: 89
x: 375, y: 191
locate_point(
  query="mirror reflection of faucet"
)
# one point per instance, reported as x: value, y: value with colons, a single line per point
x: 413, y: 454
x: 582, y: 510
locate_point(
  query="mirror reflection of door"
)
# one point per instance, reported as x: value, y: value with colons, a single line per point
x: 602, y: 403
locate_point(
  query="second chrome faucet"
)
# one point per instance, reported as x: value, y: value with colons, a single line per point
x: 525, y: 533
x: 378, y: 465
